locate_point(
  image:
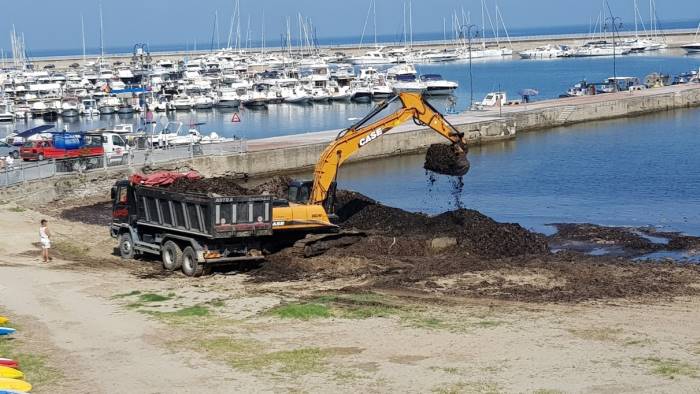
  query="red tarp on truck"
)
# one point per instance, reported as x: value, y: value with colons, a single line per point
x: 162, y: 178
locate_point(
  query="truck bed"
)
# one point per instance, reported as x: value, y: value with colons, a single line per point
x: 215, y: 217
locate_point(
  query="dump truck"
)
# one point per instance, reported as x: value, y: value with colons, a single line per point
x: 155, y: 220
x: 191, y: 231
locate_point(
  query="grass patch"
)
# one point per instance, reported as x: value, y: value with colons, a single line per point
x: 16, y: 209
x: 151, y: 297
x: 447, y: 370
x: 301, y: 311
x: 467, y: 387
x: 346, y: 306
x: 670, y: 368
x: 250, y: 356
x: 125, y: 295
x: 36, y: 368
x: 598, y: 334
x: 488, y: 323
x: 192, y: 311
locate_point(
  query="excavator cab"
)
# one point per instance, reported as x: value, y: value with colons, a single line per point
x: 300, y: 193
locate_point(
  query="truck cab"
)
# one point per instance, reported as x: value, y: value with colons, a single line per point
x: 116, y: 149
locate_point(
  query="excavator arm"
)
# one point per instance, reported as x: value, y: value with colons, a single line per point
x: 350, y: 140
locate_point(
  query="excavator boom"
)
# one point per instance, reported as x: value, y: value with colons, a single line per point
x: 350, y: 140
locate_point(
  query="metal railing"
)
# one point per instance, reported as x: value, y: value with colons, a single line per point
x: 22, y: 171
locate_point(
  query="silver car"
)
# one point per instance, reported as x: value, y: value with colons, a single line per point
x: 8, y: 150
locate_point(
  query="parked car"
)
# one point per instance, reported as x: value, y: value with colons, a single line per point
x: 8, y: 150
x: 63, y: 146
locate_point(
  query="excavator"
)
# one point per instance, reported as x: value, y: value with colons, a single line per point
x: 310, y: 207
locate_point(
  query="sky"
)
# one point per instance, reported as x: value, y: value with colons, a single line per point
x: 54, y: 24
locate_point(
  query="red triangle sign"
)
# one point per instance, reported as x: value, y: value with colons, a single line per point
x: 236, y: 118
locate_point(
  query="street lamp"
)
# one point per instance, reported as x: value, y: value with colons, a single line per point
x: 469, y: 35
x: 613, y: 22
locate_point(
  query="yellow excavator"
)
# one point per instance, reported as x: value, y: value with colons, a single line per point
x: 310, y: 206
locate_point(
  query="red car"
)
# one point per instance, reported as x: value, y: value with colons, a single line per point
x: 60, y: 147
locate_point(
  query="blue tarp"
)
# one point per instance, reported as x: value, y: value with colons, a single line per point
x: 35, y: 130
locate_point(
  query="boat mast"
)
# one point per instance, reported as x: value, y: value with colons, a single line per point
x: 410, y: 21
x: 263, y: 32
x: 405, y: 38
x: 102, y: 42
x: 483, y: 26
x: 374, y: 9
x: 82, y: 29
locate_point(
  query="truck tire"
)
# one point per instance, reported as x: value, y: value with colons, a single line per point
x: 126, y: 246
x: 15, y: 155
x: 190, y: 265
x: 172, y: 256
x: 40, y: 157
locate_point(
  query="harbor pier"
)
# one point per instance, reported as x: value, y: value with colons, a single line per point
x: 299, y: 153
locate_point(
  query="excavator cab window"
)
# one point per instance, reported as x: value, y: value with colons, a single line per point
x: 300, y: 192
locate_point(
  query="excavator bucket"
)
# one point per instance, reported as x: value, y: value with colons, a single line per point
x: 447, y: 160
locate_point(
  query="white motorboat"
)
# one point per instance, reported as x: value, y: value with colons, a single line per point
x: 108, y: 105
x: 182, y: 102
x: 599, y: 48
x: 691, y: 48
x: 69, y: 108
x: 545, y: 52
x: 38, y: 109
x: 381, y: 91
x: 360, y: 92
x: 436, y: 85
x: 88, y: 107
x: 404, y: 78
x: 371, y: 57
x: 228, y: 98
x: 203, y: 102
x: 6, y: 114
x: 296, y: 96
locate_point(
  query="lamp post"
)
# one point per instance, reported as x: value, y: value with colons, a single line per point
x: 469, y: 35
x: 613, y: 22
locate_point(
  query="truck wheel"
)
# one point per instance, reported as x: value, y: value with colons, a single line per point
x: 41, y: 157
x: 126, y: 246
x: 15, y: 155
x: 172, y: 256
x: 190, y: 265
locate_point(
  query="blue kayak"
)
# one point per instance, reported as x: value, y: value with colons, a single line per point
x: 7, y: 331
x: 3, y: 391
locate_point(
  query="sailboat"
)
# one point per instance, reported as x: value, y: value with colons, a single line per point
x: 376, y: 56
x: 693, y: 47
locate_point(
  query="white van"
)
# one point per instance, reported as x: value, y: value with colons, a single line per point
x: 116, y: 149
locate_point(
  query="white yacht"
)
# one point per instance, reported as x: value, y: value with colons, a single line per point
x: 229, y: 98
x: 404, y: 78
x: 436, y: 85
x: 6, y: 114
x: 108, y: 105
x: 69, y: 108
x: 203, y: 102
x: 545, y: 52
x: 372, y: 57
x: 599, y: 48
x: 693, y: 47
x: 182, y: 102
x: 88, y: 107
